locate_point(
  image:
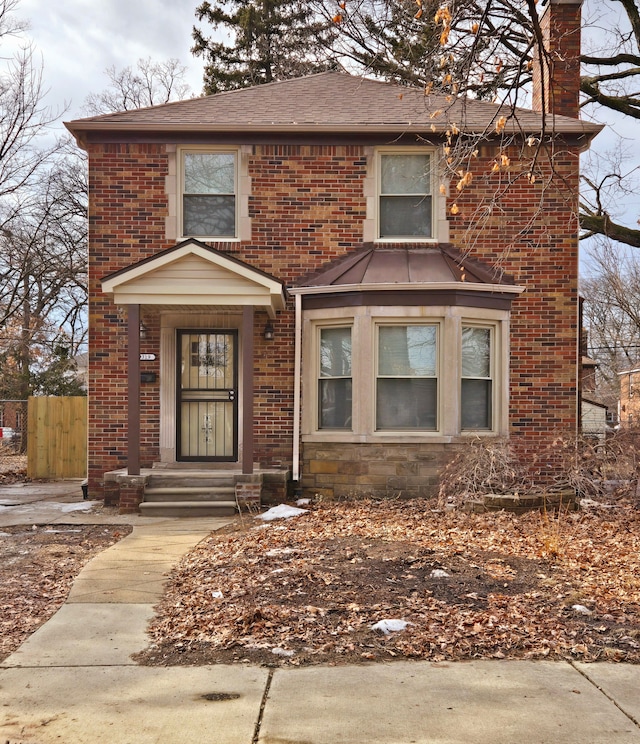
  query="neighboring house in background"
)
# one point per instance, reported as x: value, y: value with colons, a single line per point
x: 284, y: 285
x: 13, y: 414
x: 594, y: 414
x: 629, y: 403
x: 594, y: 419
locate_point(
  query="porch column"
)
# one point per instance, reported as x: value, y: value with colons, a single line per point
x: 247, y: 390
x: 133, y: 401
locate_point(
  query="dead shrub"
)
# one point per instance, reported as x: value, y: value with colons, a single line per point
x: 598, y: 469
x: 483, y: 467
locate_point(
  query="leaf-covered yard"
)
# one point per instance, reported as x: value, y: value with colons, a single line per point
x: 308, y: 590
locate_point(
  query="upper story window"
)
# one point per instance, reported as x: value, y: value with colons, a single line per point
x: 405, y: 195
x: 209, y: 193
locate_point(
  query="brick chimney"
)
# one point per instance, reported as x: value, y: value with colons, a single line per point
x: 556, y: 87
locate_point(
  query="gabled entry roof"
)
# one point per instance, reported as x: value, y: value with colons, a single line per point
x: 192, y: 273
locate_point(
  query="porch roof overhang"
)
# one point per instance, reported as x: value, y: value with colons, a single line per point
x: 194, y: 274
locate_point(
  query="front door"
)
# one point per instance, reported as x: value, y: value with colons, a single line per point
x: 207, y: 396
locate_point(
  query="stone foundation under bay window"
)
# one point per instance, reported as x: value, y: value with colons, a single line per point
x: 336, y: 471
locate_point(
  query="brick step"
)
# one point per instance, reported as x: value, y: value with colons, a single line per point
x: 181, y: 493
x: 188, y: 508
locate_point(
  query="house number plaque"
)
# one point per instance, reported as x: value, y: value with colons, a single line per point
x: 147, y: 357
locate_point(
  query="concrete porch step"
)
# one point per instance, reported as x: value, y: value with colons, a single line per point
x: 188, y: 508
x: 190, y: 493
x: 192, y: 480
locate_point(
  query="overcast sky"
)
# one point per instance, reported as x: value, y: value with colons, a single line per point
x: 79, y: 39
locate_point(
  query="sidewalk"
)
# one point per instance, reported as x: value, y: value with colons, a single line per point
x: 73, y: 681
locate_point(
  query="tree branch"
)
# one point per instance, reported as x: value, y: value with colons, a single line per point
x: 602, y: 224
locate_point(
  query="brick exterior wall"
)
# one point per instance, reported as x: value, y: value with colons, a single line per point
x: 307, y: 207
x: 127, y: 209
x: 533, y: 235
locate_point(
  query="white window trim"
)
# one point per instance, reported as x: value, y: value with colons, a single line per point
x: 436, y: 197
x: 364, y: 322
x: 241, y: 193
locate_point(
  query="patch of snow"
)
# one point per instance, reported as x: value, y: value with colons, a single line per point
x: 52, y: 532
x: 217, y: 595
x: 83, y: 506
x: 5, y: 534
x: 581, y: 609
x: 282, y: 511
x: 591, y: 504
x: 303, y: 502
x: 279, y: 551
x: 282, y: 651
x: 438, y: 573
x: 390, y: 626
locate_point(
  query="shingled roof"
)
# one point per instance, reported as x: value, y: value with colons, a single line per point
x: 328, y: 102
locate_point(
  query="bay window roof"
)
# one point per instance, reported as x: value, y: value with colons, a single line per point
x: 407, y: 275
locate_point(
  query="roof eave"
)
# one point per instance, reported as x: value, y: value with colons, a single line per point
x: 76, y: 127
x: 408, y: 287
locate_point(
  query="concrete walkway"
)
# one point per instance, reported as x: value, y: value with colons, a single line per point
x: 73, y: 681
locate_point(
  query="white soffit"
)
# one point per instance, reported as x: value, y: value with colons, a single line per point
x: 193, y: 275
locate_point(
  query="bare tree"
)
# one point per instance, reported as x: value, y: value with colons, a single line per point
x: 611, y: 294
x: 488, y: 49
x: 43, y: 278
x: 149, y: 84
x: 42, y: 245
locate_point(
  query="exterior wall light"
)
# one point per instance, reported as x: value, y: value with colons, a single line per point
x: 268, y: 332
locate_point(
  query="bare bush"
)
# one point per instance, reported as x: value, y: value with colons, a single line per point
x: 599, y: 469
x: 483, y: 467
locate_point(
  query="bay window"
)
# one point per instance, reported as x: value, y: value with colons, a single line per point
x: 394, y: 374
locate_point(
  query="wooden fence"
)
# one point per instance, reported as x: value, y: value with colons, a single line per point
x: 57, y: 438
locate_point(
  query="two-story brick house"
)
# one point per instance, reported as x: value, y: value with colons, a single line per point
x: 285, y: 284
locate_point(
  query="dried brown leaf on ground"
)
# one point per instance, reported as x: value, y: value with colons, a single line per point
x: 37, y: 568
x: 308, y: 590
